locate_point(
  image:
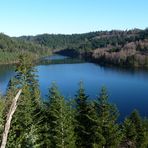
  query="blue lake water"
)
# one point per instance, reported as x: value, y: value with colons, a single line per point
x: 128, y: 89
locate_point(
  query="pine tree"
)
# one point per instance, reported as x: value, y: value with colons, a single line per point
x: 96, y: 139
x: 140, y: 130
x: 107, y: 116
x: 85, y: 120
x: 23, y: 131
x: 145, y: 126
x: 61, y: 121
x: 129, y: 132
x: 45, y: 126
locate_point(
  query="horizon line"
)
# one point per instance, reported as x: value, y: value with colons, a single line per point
x: 76, y: 33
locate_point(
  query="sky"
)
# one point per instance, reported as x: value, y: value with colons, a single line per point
x: 32, y: 17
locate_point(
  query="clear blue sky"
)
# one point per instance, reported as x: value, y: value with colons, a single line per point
x: 31, y: 17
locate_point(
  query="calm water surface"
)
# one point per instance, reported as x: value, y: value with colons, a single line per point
x: 128, y: 89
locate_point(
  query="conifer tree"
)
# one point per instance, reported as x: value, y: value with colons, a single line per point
x: 24, y: 121
x: 44, y: 127
x: 129, y: 132
x: 85, y: 120
x: 107, y: 116
x: 139, y: 127
x: 61, y: 121
x: 96, y: 139
x: 145, y: 126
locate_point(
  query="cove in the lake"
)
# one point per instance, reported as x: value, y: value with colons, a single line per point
x: 128, y: 89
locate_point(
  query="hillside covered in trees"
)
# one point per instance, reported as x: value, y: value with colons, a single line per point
x: 122, y: 48
x: 12, y: 48
x: 80, y: 122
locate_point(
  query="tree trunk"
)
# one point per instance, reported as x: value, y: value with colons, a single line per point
x: 9, y: 118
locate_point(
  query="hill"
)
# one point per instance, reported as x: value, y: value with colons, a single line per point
x: 11, y: 48
x: 124, y: 48
x: 116, y: 47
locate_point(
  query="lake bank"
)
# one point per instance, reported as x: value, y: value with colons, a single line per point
x: 108, y: 59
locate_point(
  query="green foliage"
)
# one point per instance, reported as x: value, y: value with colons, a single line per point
x: 61, y: 121
x: 85, y: 120
x: 88, y: 41
x: 135, y: 131
x: 145, y: 126
x: 107, y: 116
x: 129, y: 132
x: 140, y: 130
x: 52, y: 124
x: 123, y: 48
x: 23, y: 132
x: 12, y: 48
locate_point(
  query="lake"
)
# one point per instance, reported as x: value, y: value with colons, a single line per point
x: 128, y: 89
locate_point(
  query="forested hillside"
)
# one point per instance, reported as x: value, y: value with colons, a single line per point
x: 92, y: 40
x: 124, y: 48
x: 11, y: 48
